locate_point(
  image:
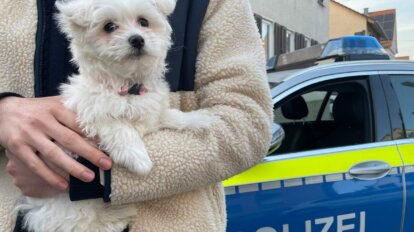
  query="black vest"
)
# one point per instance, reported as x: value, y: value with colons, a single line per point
x: 52, y: 66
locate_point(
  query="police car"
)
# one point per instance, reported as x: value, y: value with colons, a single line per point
x: 347, y: 159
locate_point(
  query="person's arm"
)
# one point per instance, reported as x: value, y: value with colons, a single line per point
x: 231, y: 85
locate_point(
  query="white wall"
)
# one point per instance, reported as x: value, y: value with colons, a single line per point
x: 307, y: 17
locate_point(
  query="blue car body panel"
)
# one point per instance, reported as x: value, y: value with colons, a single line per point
x: 352, y: 205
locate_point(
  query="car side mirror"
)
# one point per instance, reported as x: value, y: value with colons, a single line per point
x: 278, y: 134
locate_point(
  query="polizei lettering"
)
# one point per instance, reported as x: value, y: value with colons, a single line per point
x: 340, y: 223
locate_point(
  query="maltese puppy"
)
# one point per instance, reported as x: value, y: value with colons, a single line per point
x: 120, y: 95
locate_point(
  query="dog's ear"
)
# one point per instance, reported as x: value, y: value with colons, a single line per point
x: 166, y: 7
x: 74, y: 15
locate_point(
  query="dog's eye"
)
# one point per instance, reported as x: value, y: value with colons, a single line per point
x: 110, y: 27
x: 143, y: 22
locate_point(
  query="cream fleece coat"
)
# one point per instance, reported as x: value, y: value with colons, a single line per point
x: 183, y: 191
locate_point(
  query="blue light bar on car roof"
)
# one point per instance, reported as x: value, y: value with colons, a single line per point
x: 353, y: 45
x: 348, y: 48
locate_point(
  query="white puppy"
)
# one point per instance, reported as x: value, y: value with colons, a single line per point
x: 119, y: 96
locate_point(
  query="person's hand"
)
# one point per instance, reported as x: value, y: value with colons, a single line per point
x: 31, y: 125
x: 31, y: 185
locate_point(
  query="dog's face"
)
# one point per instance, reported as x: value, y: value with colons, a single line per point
x: 117, y: 31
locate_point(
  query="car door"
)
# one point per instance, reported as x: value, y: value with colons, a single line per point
x: 399, y: 88
x: 337, y: 169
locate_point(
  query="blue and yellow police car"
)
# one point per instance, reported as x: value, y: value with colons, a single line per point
x: 347, y: 159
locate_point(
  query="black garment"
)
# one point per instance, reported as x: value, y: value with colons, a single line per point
x: 19, y: 225
x: 52, y: 66
x: 9, y: 94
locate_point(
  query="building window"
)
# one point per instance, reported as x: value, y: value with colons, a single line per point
x: 268, y: 39
x: 290, y: 41
x: 321, y: 2
x: 307, y: 42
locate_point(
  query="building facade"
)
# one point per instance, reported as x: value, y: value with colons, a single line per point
x: 388, y: 21
x: 289, y: 25
x: 344, y: 21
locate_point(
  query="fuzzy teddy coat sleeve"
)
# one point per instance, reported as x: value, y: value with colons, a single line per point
x: 230, y: 85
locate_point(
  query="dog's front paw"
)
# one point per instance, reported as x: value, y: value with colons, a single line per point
x: 135, y: 160
x: 198, y: 121
x: 139, y: 162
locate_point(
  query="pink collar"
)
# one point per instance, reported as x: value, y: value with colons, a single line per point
x: 136, y: 89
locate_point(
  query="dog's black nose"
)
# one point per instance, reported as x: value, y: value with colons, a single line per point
x: 136, y: 41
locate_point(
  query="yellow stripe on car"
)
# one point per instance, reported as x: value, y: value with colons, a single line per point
x: 407, y: 153
x: 315, y: 165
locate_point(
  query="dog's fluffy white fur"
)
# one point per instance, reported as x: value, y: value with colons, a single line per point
x: 100, y: 33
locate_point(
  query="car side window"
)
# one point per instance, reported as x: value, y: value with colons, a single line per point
x: 314, y: 101
x: 404, y: 89
x: 325, y: 116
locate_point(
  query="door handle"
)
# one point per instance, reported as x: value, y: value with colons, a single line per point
x: 370, y: 170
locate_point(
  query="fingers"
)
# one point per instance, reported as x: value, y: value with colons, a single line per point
x: 67, y: 118
x: 29, y: 183
x: 28, y: 125
x: 55, y: 155
x: 38, y: 167
x: 73, y: 142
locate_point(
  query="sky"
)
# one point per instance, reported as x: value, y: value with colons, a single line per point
x: 405, y: 19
